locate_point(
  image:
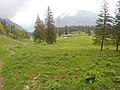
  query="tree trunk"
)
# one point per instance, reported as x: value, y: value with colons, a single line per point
x: 102, y: 42
x: 117, y: 45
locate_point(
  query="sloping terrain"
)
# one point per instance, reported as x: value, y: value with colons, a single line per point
x: 72, y: 63
x: 10, y: 23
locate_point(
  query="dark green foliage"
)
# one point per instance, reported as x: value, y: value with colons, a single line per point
x: 116, y: 27
x: 1, y: 29
x: 60, y: 32
x: 50, y: 28
x: 39, y: 32
x: 88, y: 30
x: 103, y: 24
x: 70, y: 29
x: 18, y: 33
x: 12, y: 31
x: 11, y: 28
x: 90, y: 78
x: 5, y: 27
x: 66, y: 30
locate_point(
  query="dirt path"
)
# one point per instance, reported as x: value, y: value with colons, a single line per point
x: 1, y: 79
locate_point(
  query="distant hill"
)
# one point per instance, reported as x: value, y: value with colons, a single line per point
x: 10, y: 23
x: 81, y: 17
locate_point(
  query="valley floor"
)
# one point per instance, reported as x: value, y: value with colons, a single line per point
x: 72, y: 63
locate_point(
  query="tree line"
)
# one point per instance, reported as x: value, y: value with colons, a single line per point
x: 69, y: 29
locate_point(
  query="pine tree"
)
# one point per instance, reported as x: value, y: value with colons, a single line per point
x: 60, y: 32
x: 66, y: 30
x: 5, y: 27
x: 39, y: 33
x: 50, y: 27
x: 12, y: 27
x: 103, y: 24
x: 1, y: 29
x: 116, y: 32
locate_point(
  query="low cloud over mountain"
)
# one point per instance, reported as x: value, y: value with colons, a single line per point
x: 79, y: 18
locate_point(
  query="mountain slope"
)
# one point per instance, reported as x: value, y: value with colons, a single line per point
x: 5, y: 40
x: 79, y: 18
x: 10, y: 23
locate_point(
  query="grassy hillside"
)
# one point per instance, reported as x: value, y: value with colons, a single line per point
x: 4, y: 40
x: 72, y: 63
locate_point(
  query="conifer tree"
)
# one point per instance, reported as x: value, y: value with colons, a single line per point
x: 39, y: 33
x: 103, y: 24
x: 116, y: 32
x: 66, y: 30
x: 5, y: 27
x: 50, y: 27
x: 1, y: 29
x: 12, y: 27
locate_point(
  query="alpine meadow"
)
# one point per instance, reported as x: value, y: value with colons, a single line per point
x: 71, y: 54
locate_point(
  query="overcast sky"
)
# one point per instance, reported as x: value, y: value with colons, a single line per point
x: 26, y: 11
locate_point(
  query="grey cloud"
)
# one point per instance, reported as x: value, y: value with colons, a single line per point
x: 8, y: 8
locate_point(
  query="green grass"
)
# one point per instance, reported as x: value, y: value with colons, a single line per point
x: 72, y: 63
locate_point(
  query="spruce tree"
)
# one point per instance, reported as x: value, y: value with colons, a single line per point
x: 1, y: 28
x: 116, y: 32
x: 50, y: 27
x: 5, y: 27
x: 66, y: 30
x: 12, y: 27
x: 39, y: 33
x: 103, y: 24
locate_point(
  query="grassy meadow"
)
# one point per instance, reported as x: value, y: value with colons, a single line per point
x: 72, y: 63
